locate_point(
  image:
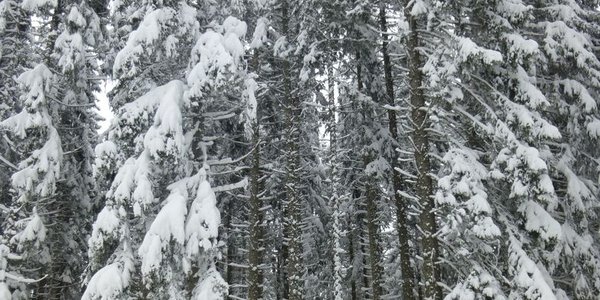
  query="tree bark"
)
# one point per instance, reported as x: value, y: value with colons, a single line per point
x: 255, y: 219
x: 292, y: 207
x: 373, y: 232
x: 371, y: 216
x: 351, y: 241
x: 401, y: 207
x: 424, y: 184
x: 336, y: 186
x: 229, y: 258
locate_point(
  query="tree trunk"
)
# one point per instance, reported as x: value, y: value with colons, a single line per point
x: 373, y: 232
x: 363, y: 254
x: 401, y: 207
x: 351, y: 242
x: 292, y: 206
x: 370, y: 193
x: 336, y: 197
x: 229, y: 258
x: 424, y: 185
x: 255, y: 219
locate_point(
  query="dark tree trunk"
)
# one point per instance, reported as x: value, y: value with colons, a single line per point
x: 255, y: 227
x: 424, y: 184
x: 373, y: 237
x: 292, y: 207
x: 401, y: 204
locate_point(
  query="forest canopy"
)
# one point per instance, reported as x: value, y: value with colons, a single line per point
x: 300, y: 149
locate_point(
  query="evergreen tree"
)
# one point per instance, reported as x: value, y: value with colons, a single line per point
x: 53, y: 187
x: 14, y: 51
x: 506, y: 178
x: 161, y: 152
x: 342, y: 149
x: 15, y: 47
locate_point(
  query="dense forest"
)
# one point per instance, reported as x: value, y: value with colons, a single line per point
x: 300, y: 149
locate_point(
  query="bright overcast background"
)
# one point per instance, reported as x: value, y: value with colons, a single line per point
x: 103, y: 106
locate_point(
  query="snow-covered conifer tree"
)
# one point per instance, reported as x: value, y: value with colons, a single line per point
x: 509, y: 177
x: 314, y: 149
x: 75, y: 63
x: 55, y: 134
x: 35, y: 179
x: 157, y: 234
x: 569, y: 77
x: 15, y: 51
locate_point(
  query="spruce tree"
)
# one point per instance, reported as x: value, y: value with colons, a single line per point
x: 54, y: 134
x: 160, y: 144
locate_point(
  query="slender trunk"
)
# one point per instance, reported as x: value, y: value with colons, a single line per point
x: 357, y: 231
x: 351, y: 242
x: 363, y: 255
x: 373, y: 236
x: 370, y: 193
x: 355, y: 249
x: 424, y: 185
x: 336, y: 191
x: 282, y: 283
x: 337, y: 259
x: 229, y: 258
x: 255, y: 276
x: 401, y: 205
x: 292, y: 208
x: 255, y: 219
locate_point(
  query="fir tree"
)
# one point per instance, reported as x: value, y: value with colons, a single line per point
x: 175, y: 256
x: 55, y: 168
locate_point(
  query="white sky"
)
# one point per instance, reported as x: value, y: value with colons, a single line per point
x: 103, y: 106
